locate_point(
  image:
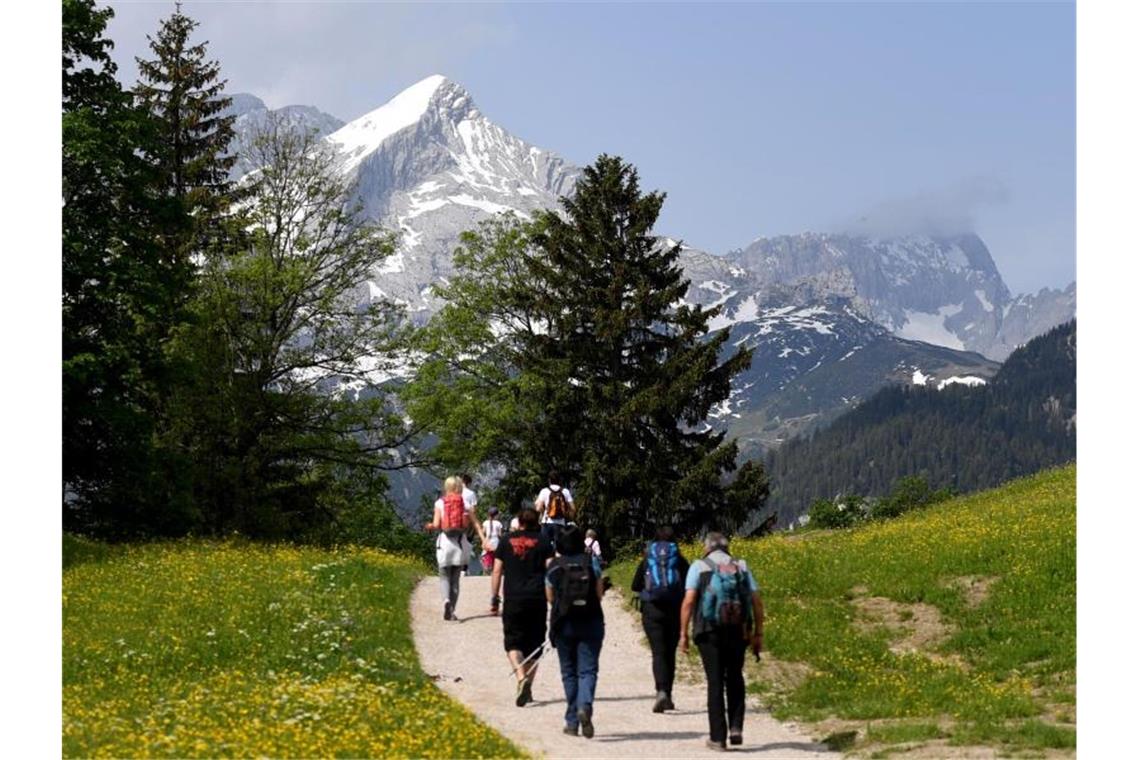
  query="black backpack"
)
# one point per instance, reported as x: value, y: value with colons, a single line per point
x: 575, y: 586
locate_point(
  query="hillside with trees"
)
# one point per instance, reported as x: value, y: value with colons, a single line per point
x: 962, y: 438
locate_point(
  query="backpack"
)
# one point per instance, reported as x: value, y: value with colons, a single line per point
x: 575, y: 587
x: 662, y: 580
x: 453, y: 512
x: 557, y: 507
x: 726, y: 599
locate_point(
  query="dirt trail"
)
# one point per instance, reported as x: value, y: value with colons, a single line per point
x: 468, y: 659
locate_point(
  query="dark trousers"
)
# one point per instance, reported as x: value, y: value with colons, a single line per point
x: 662, y: 624
x: 722, y: 653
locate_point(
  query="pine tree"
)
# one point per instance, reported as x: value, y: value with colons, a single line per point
x: 565, y: 344
x: 181, y: 89
x: 111, y: 275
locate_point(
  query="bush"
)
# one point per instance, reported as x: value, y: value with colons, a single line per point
x: 843, y: 512
x: 909, y: 493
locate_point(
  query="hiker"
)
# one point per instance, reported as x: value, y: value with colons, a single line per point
x: 470, y: 502
x: 594, y: 548
x: 577, y: 627
x: 723, y: 601
x: 493, y: 530
x: 659, y: 582
x: 555, y: 505
x: 452, y: 548
x: 519, y: 569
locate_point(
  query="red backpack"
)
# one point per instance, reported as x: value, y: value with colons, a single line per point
x: 453, y: 511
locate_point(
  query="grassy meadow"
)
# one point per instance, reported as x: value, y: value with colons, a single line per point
x: 196, y: 649
x: 953, y: 625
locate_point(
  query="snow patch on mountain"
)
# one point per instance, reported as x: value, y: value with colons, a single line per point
x: 967, y: 380
x: 931, y: 327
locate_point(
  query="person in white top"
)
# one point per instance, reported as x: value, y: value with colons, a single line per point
x: 555, y: 507
x: 593, y: 547
x: 493, y: 530
x: 452, y: 548
x: 470, y: 502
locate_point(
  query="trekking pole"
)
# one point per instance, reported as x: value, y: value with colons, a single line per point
x: 529, y: 657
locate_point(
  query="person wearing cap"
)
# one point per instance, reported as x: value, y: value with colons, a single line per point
x: 492, y: 530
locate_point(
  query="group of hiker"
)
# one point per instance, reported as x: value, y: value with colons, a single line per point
x: 544, y: 564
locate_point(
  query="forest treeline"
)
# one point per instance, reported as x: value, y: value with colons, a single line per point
x: 222, y: 373
x: 959, y: 438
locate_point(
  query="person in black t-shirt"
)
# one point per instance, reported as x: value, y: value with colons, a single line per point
x: 520, y: 569
x: 660, y: 601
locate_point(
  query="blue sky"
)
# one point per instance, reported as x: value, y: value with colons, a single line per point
x: 756, y: 119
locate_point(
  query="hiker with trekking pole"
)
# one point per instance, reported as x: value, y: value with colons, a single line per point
x: 519, y: 570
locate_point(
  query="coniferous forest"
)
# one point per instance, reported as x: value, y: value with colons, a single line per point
x: 962, y: 438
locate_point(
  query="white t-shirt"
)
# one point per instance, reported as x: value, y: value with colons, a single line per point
x: 593, y: 547
x: 467, y: 506
x: 544, y: 499
x: 492, y: 529
x: 514, y: 524
x: 447, y: 551
x: 469, y: 498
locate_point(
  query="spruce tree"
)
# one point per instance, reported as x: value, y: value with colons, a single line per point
x: 566, y: 344
x: 182, y: 90
x: 112, y: 275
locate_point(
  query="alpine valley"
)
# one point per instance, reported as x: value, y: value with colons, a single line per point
x: 831, y: 317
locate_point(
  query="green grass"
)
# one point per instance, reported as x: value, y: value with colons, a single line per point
x: 198, y: 649
x: 1007, y: 663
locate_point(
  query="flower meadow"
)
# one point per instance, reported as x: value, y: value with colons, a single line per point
x: 196, y: 649
x: 1002, y: 672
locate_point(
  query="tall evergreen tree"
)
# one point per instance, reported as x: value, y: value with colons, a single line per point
x: 607, y: 375
x: 112, y: 274
x: 182, y: 91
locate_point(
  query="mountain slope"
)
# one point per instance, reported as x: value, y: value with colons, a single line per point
x: 941, y: 290
x: 251, y: 113
x: 959, y: 436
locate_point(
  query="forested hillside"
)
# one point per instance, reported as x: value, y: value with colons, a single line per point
x: 965, y: 438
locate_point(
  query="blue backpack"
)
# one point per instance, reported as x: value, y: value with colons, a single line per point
x: 662, y: 580
x: 727, y: 598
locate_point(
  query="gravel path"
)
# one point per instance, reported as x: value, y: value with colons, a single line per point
x: 468, y: 661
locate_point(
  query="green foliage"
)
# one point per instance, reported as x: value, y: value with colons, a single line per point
x: 561, y: 347
x: 908, y: 493
x: 279, y: 415
x: 993, y: 675
x: 116, y: 287
x: 233, y: 649
x: 843, y: 512
x: 959, y: 438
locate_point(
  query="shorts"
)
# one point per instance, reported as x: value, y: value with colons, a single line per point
x: 524, y: 624
x: 488, y: 560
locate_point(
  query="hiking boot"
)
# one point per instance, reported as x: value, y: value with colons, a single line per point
x: 661, y: 704
x: 523, y: 695
x: 715, y: 746
x: 570, y: 730
x: 447, y: 611
x: 584, y: 720
x: 735, y: 738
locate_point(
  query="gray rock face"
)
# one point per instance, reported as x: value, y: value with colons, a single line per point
x: 251, y: 113
x: 429, y: 165
x: 941, y: 290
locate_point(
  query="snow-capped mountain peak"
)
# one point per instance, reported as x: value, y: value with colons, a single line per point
x: 361, y: 136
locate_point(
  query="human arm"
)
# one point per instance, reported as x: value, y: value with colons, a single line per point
x: 758, y: 624
x: 473, y: 517
x: 638, y: 584
x: 687, y: 605
x: 436, y: 519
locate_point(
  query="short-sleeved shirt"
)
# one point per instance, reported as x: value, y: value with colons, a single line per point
x: 693, y: 577
x: 469, y: 499
x: 544, y: 500
x: 593, y: 604
x: 524, y: 554
x: 492, y: 529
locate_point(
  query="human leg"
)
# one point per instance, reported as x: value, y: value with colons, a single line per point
x: 568, y: 664
x: 733, y: 649
x: 454, y: 581
x: 709, y: 647
x: 589, y: 650
x: 654, y: 625
x: 672, y: 639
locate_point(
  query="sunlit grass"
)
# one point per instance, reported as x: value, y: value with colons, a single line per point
x: 1004, y: 674
x: 207, y: 650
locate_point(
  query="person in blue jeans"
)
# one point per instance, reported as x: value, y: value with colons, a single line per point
x: 574, y: 588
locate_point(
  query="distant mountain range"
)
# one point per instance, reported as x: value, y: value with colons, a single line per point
x: 832, y: 318
x: 967, y: 437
